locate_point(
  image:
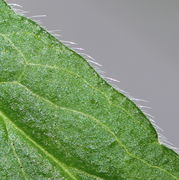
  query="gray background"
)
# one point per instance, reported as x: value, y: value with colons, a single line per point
x: 136, y: 42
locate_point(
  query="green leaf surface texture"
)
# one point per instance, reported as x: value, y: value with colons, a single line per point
x: 60, y: 120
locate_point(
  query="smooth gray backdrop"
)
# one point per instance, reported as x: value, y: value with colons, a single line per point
x: 136, y: 41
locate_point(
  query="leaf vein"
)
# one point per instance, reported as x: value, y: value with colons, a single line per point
x: 15, y: 153
x: 36, y: 145
x: 60, y: 164
x: 75, y: 74
x: 14, y: 46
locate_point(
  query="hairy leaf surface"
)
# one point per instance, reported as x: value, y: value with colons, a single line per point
x: 60, y: 120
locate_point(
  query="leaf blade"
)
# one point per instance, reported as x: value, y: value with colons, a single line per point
x: 49, y: 75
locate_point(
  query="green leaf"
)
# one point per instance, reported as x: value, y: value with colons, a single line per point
x: 60, y: 120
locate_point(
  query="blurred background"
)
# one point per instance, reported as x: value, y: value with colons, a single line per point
x: 137, y: 42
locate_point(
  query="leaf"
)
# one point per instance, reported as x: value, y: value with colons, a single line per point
x: 60, y: 120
